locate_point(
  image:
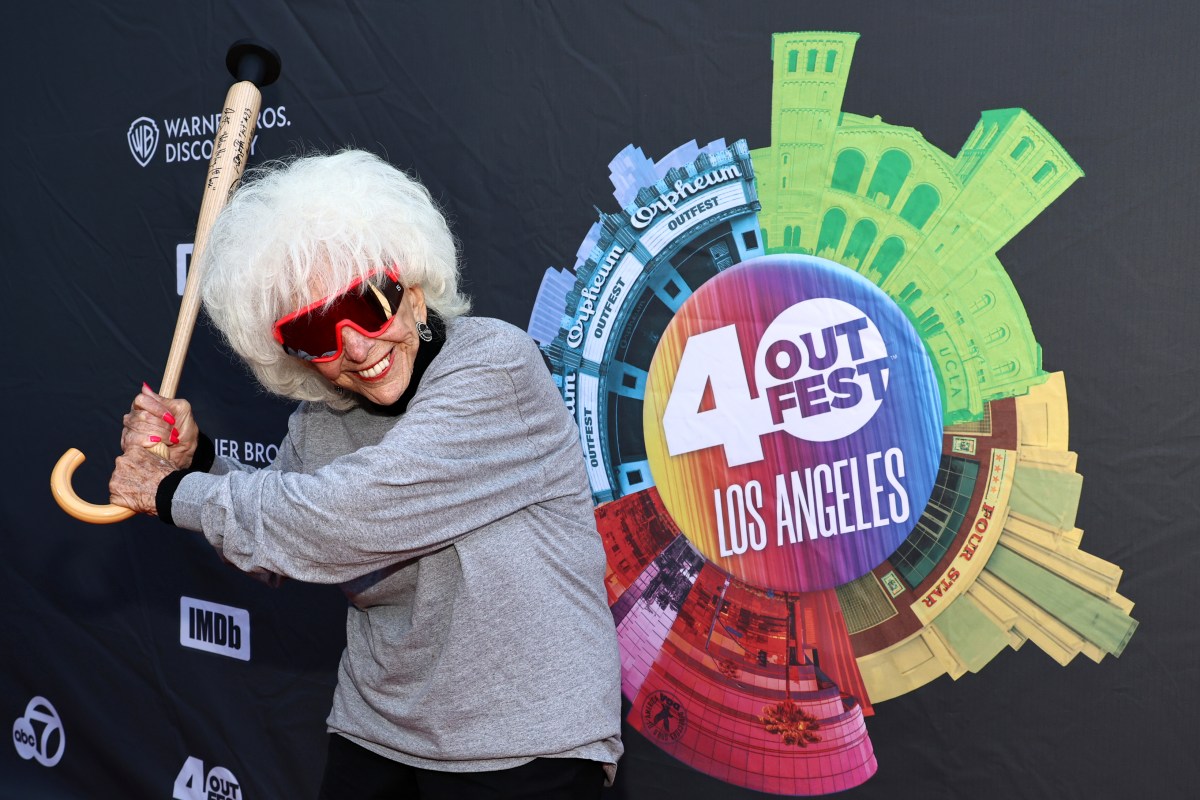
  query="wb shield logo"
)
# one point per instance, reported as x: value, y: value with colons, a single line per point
x: 143, y: 139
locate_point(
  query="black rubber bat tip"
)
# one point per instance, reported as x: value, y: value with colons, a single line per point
x: 254, y: 61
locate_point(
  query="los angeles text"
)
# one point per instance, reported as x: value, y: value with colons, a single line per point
x: 844, y: 497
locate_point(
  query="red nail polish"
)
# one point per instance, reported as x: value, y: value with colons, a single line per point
x: 174, y: 436
x: 154, y: 439
x: 169, y: 418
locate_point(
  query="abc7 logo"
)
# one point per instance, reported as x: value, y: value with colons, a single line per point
x: 53, y: 737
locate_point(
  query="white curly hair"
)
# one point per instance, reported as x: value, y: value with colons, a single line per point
x: 301, y: 228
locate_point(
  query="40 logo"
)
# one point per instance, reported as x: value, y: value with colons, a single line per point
x: 826, y: 461
x: 193, y: 783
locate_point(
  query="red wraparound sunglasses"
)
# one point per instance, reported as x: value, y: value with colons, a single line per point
x: 314, y: 333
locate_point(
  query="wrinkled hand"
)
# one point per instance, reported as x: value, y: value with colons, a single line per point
x: 153, y: 419
x: 135, y: 479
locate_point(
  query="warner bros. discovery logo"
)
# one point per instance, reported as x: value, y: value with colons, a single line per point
x: 214, y: 628
x: 189, y: 138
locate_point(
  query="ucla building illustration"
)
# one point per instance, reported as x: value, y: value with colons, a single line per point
x: 924, y: 226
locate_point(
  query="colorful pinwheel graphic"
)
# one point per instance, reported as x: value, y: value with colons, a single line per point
x: 827, y: 464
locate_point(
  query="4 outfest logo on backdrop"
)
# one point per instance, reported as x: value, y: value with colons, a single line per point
x: 812, y: 480
x: 194, y: 783
x: 826, y: 462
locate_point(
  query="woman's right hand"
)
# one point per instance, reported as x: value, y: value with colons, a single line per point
x: 153, y: 419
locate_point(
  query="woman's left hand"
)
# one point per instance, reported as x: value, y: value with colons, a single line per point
x: 135, y: 479
x: 153, y: 419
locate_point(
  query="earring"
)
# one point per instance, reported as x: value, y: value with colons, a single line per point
x: 424, y: 331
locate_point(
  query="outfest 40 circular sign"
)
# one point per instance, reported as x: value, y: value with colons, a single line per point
x: 792, y: 423
x: 827, y: 465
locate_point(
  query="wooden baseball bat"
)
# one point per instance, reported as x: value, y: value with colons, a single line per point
x: 254, y: 65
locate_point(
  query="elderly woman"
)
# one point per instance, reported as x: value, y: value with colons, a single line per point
x: 430, y: 468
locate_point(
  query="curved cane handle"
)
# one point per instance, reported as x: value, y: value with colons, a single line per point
x: 64, y: 494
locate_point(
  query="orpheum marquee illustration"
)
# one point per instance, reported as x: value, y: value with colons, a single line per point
x: 765, y: 682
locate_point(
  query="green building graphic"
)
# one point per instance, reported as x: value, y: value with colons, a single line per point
x: 925, y: 227
x: 922, y: 225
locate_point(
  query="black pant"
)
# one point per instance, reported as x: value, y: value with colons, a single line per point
x: 355, y: 773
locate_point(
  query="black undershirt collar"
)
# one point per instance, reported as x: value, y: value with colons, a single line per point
x: 426, y: 353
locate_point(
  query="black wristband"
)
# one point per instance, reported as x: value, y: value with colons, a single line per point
x: 202, y: 461
x: 205, y: 455
x: 166, y: 493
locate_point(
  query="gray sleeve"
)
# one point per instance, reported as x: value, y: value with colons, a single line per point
x: 223, y: 465
x: 469, y: 451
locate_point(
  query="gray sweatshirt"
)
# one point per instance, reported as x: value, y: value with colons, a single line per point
x: 479, y: 636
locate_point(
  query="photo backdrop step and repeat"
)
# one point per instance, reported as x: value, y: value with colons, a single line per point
x: 875, y: 321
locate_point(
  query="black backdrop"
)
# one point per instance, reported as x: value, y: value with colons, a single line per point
x: 510, y: 112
